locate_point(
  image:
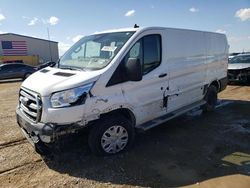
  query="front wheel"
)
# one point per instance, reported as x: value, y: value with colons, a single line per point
x: 111, y: 135
x: 211, y: 99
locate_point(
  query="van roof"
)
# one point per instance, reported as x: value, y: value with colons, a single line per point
x: 149, y: 28
x: 117, y: 30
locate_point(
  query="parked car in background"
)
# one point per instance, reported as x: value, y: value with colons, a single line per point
x: 13, y: 61
x: 231, y: 55
x: 16, y: 70
x: 239, y: 68
x: 47, y: 64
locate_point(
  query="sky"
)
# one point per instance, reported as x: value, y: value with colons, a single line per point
x: 69, y: 20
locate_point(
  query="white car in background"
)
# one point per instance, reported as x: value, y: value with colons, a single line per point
x: 231, y: 55
x: 239, y: 68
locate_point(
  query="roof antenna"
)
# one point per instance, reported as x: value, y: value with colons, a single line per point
x: 136, y: 26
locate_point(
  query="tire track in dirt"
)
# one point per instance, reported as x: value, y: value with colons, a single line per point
x: 15, y: 154
x: 2, y: 172
x: 13, y: 143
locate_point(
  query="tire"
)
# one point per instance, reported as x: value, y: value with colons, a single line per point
x: 26, y: 75
x: 211, y: 98
x: 116, y: 130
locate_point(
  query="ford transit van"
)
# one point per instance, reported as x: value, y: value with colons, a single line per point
x: 119, y: 81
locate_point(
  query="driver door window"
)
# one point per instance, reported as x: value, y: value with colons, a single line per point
x: 151, y: 52
x: 148, y: 50
x: 136, y: 51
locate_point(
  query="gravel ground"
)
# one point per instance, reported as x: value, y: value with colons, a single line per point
x: 194, y: 150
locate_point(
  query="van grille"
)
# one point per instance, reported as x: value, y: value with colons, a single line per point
x: 30, y: 104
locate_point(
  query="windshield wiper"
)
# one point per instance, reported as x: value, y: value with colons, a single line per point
x: 71, y: 68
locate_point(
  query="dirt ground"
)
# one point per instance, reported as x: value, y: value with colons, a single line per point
x: 194, y: 150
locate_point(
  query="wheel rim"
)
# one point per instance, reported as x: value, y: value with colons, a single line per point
x: 114, y: 139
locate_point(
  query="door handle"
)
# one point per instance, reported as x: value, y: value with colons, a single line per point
x: 162, y: 75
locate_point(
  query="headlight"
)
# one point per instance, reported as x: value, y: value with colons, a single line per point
x: 70, y: 97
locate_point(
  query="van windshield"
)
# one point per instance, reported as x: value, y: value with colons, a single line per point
x: 94, y: 52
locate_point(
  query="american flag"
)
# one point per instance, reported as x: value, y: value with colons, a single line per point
x: 14, y: 48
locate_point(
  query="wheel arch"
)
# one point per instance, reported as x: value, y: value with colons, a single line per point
x: 215, y: 83
x: 125, y: 112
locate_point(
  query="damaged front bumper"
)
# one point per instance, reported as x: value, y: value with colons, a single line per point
x: 242, y: 75
x: 44, y: 132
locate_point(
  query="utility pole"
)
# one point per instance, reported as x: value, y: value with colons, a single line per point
x: 49, y: 44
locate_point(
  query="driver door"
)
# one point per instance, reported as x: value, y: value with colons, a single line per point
x: 146, y: 95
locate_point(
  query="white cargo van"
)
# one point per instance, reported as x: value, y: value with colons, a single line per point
x: 115, y: 82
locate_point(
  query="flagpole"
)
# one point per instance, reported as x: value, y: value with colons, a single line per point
x: 49, y: 44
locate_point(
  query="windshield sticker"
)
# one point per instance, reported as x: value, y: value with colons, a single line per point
x: 108, y: 48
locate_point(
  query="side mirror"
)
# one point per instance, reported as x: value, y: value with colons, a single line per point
x: 133, y: 69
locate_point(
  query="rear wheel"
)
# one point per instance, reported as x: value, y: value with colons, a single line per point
x: 211, y: 99
x: 111, y: 135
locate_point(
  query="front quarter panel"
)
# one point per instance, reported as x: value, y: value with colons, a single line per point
x: 61, y: 115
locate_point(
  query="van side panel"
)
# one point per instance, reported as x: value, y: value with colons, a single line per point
x: 190, y: 60
x: 186, y: 60
x: 217, y: 56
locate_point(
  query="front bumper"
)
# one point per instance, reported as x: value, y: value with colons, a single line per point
x: 43, y: 132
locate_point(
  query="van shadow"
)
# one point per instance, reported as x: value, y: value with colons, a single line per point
x: 189, y: 149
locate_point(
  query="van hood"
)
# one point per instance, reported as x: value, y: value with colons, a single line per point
x: 238, y: 66
x: 49, y: 80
